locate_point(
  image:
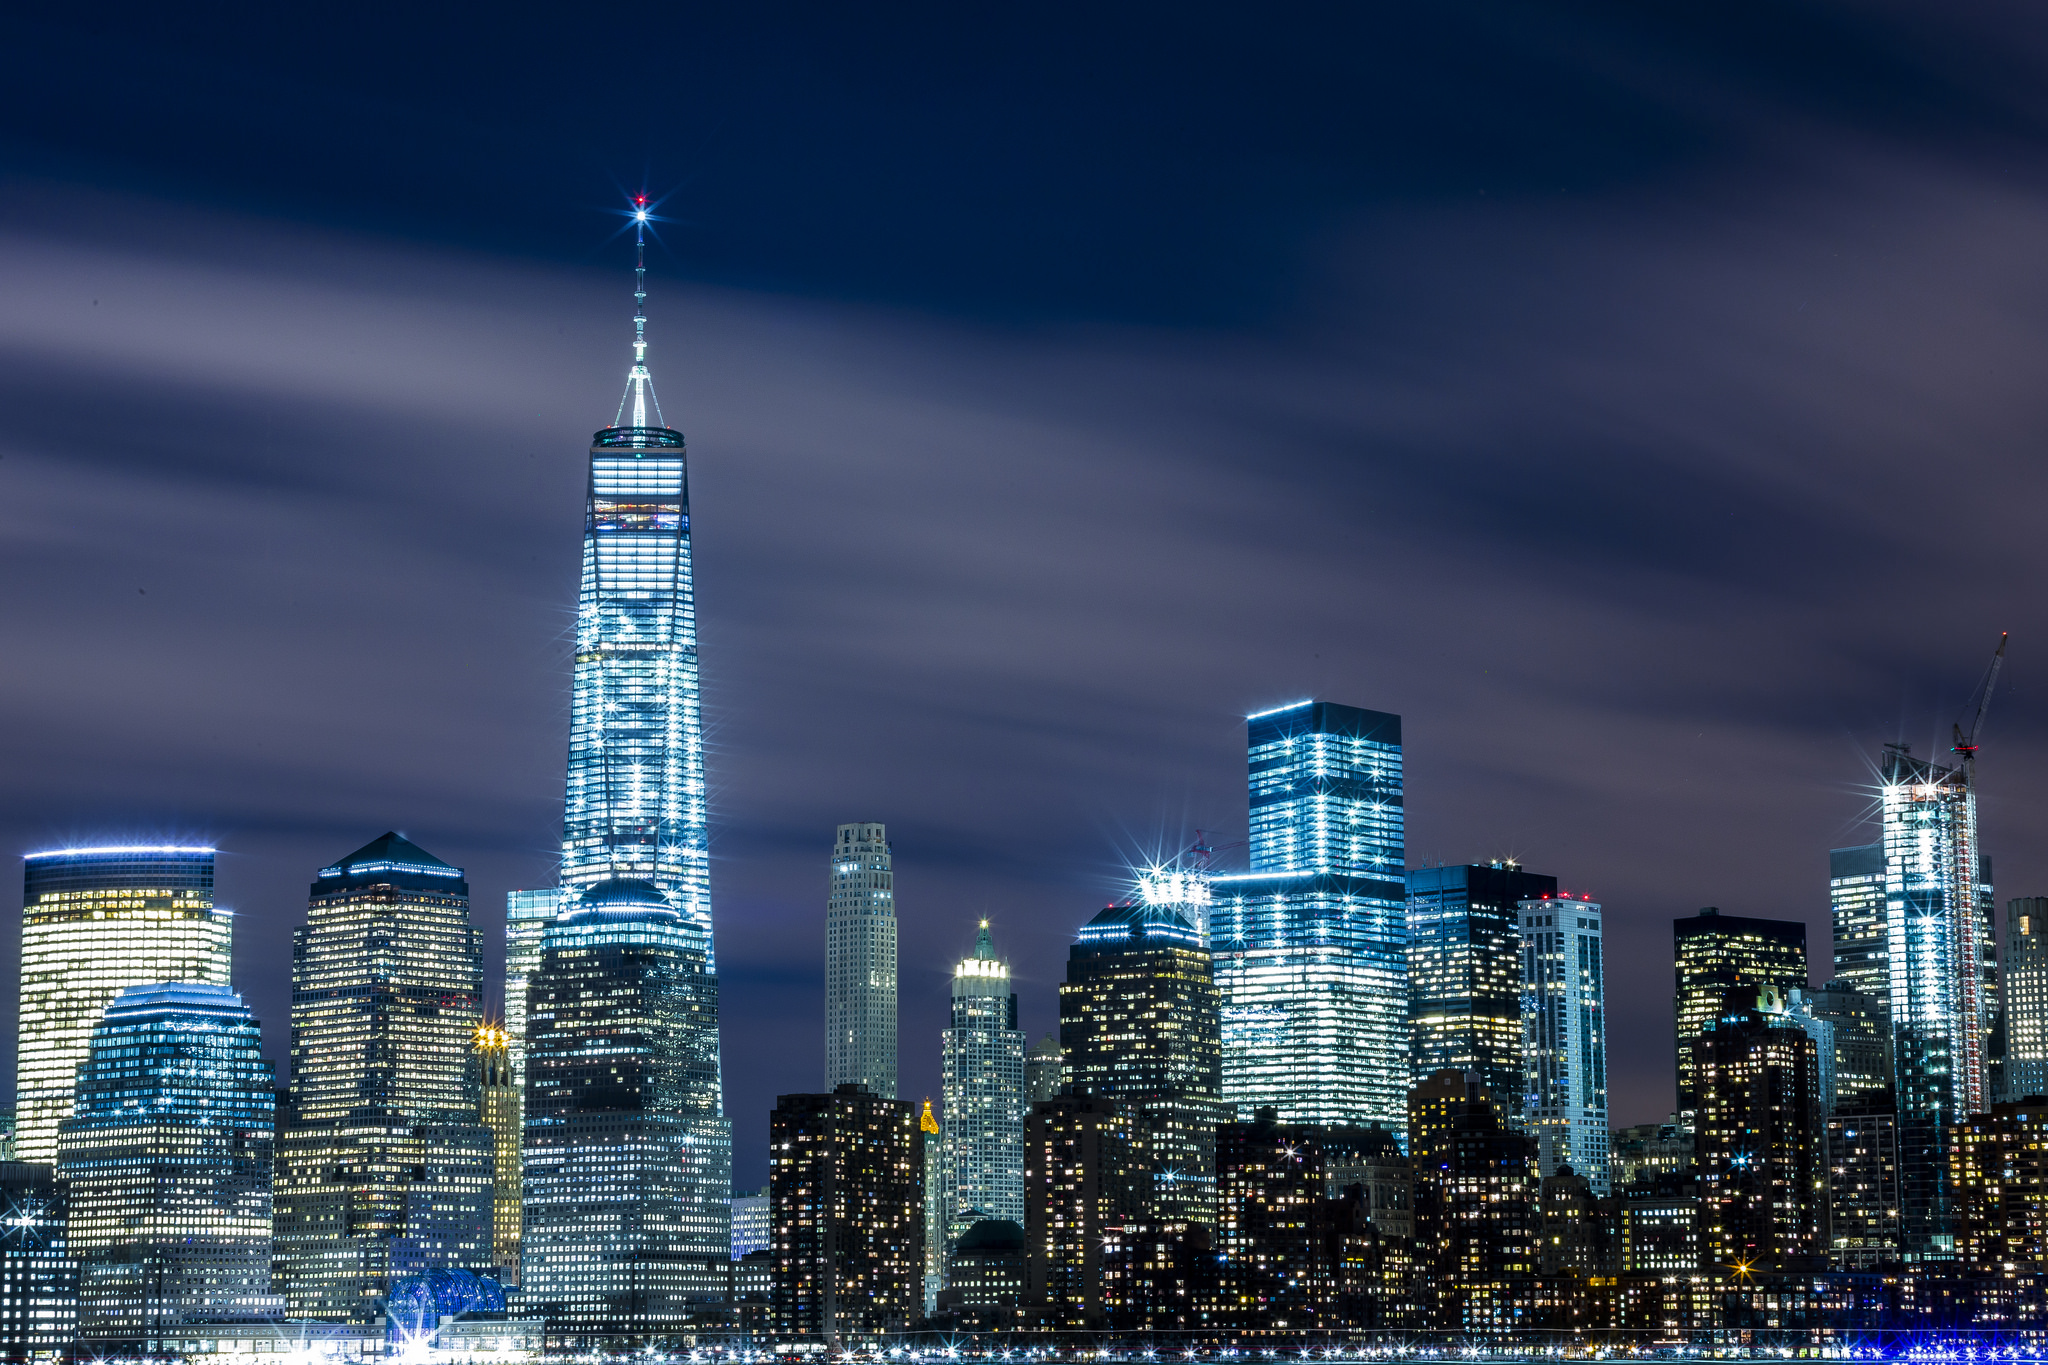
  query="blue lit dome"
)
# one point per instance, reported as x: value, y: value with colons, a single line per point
x: 621, y: 898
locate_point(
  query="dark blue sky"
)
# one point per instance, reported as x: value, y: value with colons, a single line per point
x: 1644, y: 401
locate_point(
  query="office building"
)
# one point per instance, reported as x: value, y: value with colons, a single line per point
x: 1865, y: 1210
x: 1999, y: 1165
x: 1573, y: 1237
x: 1942, y: 961
x: 1476, y: 1204
x: 1082, y: 1178
x: 2024, y: 997
x: 988, y: 1273
x: 620, y: 1239
x: 982, y: 1090
x: 499, y: 1109
x: 1043, y: 1070
x: 527, y: 916
x: 1859, y: 1032
x: 1856, y: 902
x: 1139, y: 1024
x: 93, y: 921
x: 1564, y: 1037
x: 751, y: 1230
x: 384, y: 1168
x: 635, y: 804
x: 167, y: 1154
x: 846, y: 1199
x: 1660, y: 1229
x: 860, y: 963
x: 38, y: 1277
x: 1371, y: 1161
x: 1311, y: 946
x: 1719, y: 953
x: 1762, y: 1180
x: 1465, y: 971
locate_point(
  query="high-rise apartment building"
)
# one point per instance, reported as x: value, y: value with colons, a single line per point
x: 635, y: 805
x: 38, y: 1277
x: 1044, y: 1070
x: 1139, y: 1024
x: 1564, y: 1037
x: 860, y: 963
x: 93, y: 921
x: 1719, y: 953
x: 846, y: 1201
x: 1270, y: 1186
x: 1860, y: 1028
x: 1941, y: 956
x: 1865, y: 1210
x: 167, y: 1153
x: 2024, y: 997
x: 1856, y: 904
x: 1082, y: 1179
x: 1763, y: 1183
x: 499, y: 1109
x: 1311, y: 946
x: 982, y: 1090
x: 1465, y: 970
x: 1999, y: 1169
x: 1476, y: 1203
x: 623, y: 1238
x: 384, y: 1169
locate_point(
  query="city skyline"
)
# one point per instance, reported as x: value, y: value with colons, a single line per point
x: 1602, y: 463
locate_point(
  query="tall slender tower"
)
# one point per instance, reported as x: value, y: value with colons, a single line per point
x: 1564, y: 1037
x: 983, y: 1079
x: 1311, y: 946
x: 93, y: 921
x: 860, y: 963
x: 500, y: 1111
x: 635, y: 807
x: 1465, y: 971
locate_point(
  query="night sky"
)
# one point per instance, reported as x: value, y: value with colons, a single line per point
x: 1646, y: 401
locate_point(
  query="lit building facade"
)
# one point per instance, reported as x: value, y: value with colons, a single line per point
x: 1865, y: 1208
x: 1856, y: 907
x: 1476, y: 1204
x: 38, y: 1277
x: 384, y: 1169
x: 167, y: 1154
x: 500, y: 1110
x: 1270, y: 1188
x: 1082, y: 1179
x: 1044, y: 1070
x: 1564, y: 1037
x: 982, y: 1092
x: 860, y: 963
x: 750, y: 1225
x: 1465, y: 970
x: 846, y: 1201
x: 622, y: 1235
x: 2024, y: 997
x: 1716, y: 954
x: 1859, y: 1028
x: 93, y: 921
x: 1763, y: 1183
x: 1139, y: 1024
x: 1311, y: 946
x: 1999, y: 1169
x: 527, y: 916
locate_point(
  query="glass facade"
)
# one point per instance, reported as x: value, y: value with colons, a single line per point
x: 527, y: 916
x: 1856, y: 904
x: 860, y: 963
x: 384, y: 1169
x: 2026, y: 997
x: 167, y: 1153
x: 38, y: 1277
x: 1716, y: 954
x: 1564, y: 1037
x: 1139, y: 1024
x: 1857, y: 1044
x: 1311, y: 946
x: 627, y: 1180
x: 1465, y: 971
x: 93, y: 921
x: 982, y: 1093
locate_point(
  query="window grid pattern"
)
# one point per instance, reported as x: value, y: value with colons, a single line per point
x: 860, y: 962
x: 982, y: 1091
x: 1564, y: 1038
x: 2026, y: 997
x: 1465, y: 972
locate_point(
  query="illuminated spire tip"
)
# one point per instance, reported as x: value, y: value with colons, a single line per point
x: 639, y: 395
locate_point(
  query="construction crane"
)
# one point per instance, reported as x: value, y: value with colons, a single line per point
x: 1966, y: 741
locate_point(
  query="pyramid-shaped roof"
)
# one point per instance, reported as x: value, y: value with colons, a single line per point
x: 390, y: 853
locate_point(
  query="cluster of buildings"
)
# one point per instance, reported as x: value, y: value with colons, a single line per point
x: 1330, y: 1093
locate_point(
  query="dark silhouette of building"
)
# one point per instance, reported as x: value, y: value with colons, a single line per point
x: 1476, y: 1204
x: 38, y: 1277
x: 1865, y: 1220
x: 1762, y: 1183
x: 1081, y: 1179
x: 1719, y: 953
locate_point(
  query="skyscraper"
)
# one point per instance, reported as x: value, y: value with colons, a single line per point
x: 1716, y: 954
x: 627, y: 1182
x: 1859, y: 1033
x: 38, y: 1277
x: 499, y: 1109
x: 168, y: 1155
x: 527, y: 916
x: 982, y: 1090
x: 846, y: 1206
x: 1938, y: 938
x: 1856, y: 905
x: 95, y: 920
x: 1476, y: 1202
x: 860, y: 963
x: 2025, y: 997
x: 1138, y: 1024
x: 383, y: 1167
x: 1044, y: 1070
x: 635, y: 803
x: 1763, y: 1178
x: 1311, y: 946
x: 1564, y: 1037
x: 1465, y: 971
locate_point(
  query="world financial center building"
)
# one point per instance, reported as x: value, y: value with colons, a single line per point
x: 1311, y: 946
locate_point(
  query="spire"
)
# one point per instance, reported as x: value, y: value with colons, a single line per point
x: 925, y: 1122
x: 984, y: 945
x: 639, y: 395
